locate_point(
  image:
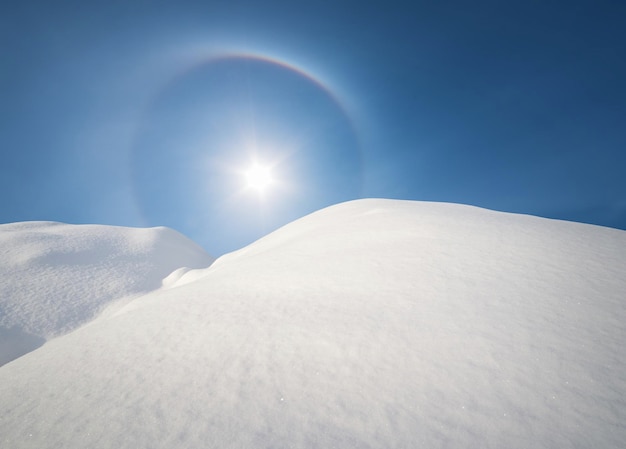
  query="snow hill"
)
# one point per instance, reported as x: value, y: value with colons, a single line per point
x: 56, y: 277
x: 370, y: 324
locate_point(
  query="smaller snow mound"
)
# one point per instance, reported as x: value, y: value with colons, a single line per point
x: 184, y: 276
x: 56, y: 277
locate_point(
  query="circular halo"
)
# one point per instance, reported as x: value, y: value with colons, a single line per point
x: 163, y: 167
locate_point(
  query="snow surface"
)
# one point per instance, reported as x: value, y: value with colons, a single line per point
x: 56, y: 277
x: 370, y: 324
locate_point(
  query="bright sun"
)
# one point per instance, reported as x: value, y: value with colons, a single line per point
x: 259, y: 177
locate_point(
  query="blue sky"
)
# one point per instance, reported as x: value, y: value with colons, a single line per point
x: 145, y: 113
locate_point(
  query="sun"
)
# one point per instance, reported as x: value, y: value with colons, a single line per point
x: 259, y: 177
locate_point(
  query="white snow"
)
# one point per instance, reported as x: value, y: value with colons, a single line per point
x: 373, y: 323
x: 56, y: 277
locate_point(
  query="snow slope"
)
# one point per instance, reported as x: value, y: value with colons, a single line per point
x: 370, y: 324
x: 56, y: 277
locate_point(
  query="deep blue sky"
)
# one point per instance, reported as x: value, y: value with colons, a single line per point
x: 136, y: 113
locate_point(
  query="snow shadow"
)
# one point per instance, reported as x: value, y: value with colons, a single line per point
x: 15, y: 342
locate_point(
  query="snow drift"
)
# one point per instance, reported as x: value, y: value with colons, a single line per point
x: 374, y: 323
x: 56, y: 277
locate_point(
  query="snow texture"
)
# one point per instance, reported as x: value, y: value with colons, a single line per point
x: 56, y: 277
x: 370, y: 324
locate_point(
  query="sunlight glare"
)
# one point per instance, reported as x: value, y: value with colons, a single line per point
x: 259, y: 177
